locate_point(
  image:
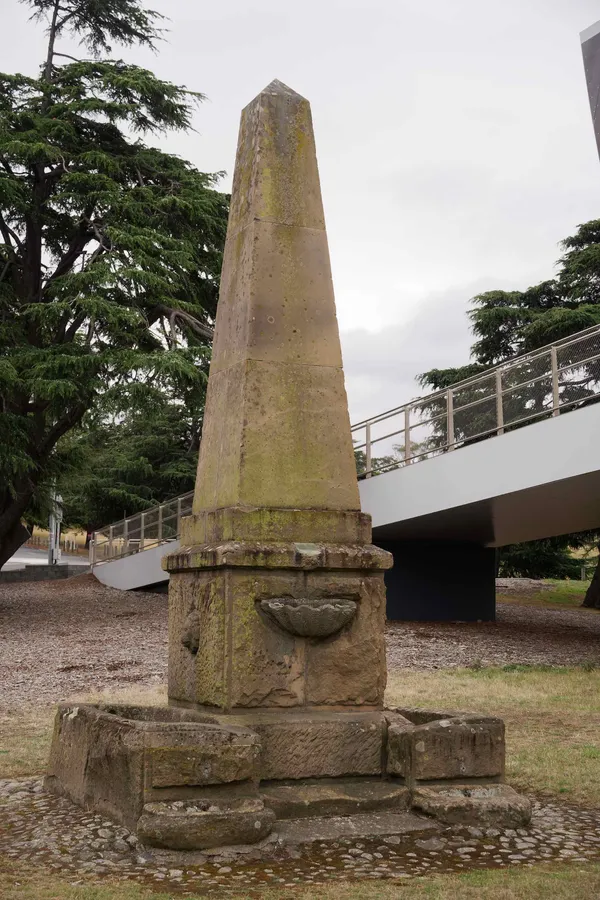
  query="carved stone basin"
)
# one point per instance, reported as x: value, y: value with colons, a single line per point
x: 310, y: 618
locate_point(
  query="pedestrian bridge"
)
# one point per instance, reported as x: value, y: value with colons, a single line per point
x: 506, y: 456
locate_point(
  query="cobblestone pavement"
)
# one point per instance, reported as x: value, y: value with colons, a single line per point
x: 41, y: 830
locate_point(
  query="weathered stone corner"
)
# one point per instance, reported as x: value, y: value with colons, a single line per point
x: 486, y: 805
x: 445, y: 745
x: 202, y: 824
x: 453, y: 763
x: 117, y: 759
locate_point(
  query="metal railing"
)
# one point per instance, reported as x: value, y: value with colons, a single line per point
x: 547, y: 382
x: 530, y: 387
x: 147, y: 529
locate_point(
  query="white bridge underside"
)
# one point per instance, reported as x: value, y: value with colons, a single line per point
x: 536, y: 482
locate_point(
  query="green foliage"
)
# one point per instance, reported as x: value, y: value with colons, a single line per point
x: 507, y: 323
x: 380, y: 464
x: 548, y: 558
x: 110, y: 249
x: 96, y: 22
x: 119, y: 468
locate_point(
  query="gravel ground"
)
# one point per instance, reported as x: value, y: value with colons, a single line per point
x: 521, y: 634
x: 61, y: 638
x: 67, y: 637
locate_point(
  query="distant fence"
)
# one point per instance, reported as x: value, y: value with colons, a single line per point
x: 68, y: 545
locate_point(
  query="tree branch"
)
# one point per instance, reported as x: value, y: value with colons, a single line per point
x: 58, y: 430
x: 66, y: 56
x: 95, y: 255
x: 73, y: 328
x: 64, y: 21
x: 174, y: 314
x: 7, y: 233
x: 53, y: 30
x: 5, y: 269
x: 91, y: 329
x: 7, y: 168
x: 99, y: 236
x: 70, y: 257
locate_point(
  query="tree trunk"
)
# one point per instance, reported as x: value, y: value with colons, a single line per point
x: 592, y: 596
x: 11, y: 540
x: 12, y: 509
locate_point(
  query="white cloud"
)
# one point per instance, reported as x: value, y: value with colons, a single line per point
x: 381, y: 367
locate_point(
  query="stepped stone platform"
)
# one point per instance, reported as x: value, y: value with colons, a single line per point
x: 188, y: 780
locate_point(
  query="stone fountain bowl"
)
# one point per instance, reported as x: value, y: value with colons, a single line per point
x: 310, y: 618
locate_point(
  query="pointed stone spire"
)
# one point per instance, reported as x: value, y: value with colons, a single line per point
x: 276, y: 430
x: 276, y: 558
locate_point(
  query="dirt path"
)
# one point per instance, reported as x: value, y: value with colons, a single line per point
x: 62, y: 638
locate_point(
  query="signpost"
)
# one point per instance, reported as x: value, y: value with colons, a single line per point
x: 54, y: 523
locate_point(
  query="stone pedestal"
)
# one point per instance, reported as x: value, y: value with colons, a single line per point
x: 184, y: 779
x: 275, y: 618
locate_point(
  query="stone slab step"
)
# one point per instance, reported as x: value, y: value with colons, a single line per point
x: 366, y: 825
x: 334, y: 798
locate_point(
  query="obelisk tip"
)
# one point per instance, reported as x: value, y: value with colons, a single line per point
x: 278, y: 87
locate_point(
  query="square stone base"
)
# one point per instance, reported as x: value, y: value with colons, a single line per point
x: 227, y: 651
x: 186, y: 779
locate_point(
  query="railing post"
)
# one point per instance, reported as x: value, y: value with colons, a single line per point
x: 450, y: 418
x: 499, y: 406
x: 178, y: 517
x: 368, y: 449
x: 407, y: 446
x: 555, y: 392
x: 142, y: 530
x: 110, y: 541
x: 92, y: 551
x: 125, y: 536
x: 160, y: 518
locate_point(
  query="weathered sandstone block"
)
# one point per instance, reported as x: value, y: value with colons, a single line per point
x: 116, y: 759
x: 463, y: 746
x: 320, y: 746
x: 334, y: 798
x: 490, y: 805
x: 198, y: 825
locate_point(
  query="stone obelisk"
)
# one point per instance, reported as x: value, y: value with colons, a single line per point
x: 276, y: 596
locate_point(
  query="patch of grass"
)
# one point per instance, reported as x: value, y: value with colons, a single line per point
x: 560, y: 883
x: 552, y: 717
x: 567, y: 594
x: 25, y: 733
x: 24, y: 741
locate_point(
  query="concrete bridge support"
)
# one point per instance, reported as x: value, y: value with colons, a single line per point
x: 441, y: 581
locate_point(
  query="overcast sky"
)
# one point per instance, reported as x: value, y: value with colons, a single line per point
x: 454, y: 138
